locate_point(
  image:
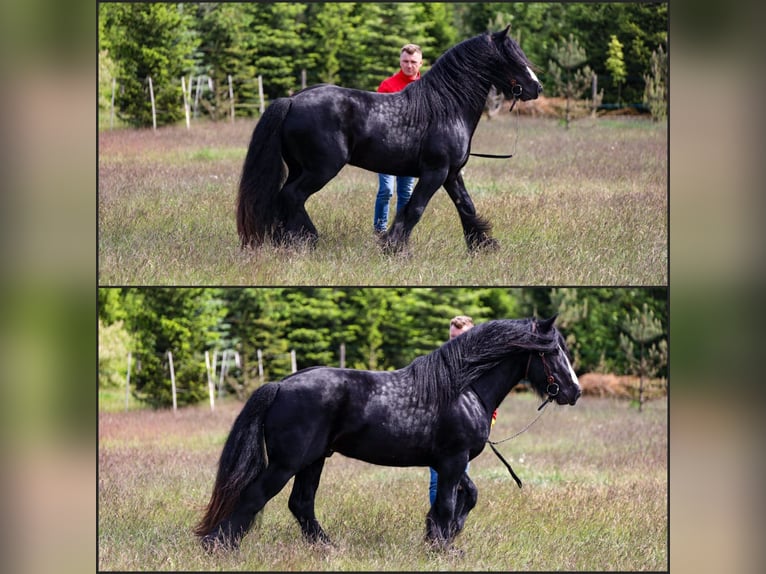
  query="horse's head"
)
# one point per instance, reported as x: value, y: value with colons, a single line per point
x: 550, y: 371
x: 514, y: 74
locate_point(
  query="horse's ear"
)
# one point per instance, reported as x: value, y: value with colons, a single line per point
x: 545, y: 325
x: 500, y: 36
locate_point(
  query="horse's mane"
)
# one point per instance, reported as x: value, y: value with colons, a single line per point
x: 464, y: 72
x: 443, y: 374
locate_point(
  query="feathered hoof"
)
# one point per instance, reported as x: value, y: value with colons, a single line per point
x: 391, y: 247
x: 212, y: 543
x: 445, y: 548
x: 295, y: 240
x: 482, y: 243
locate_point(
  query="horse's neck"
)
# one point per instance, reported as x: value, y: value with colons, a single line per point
x: 494, y: 385
x: 469, y: 104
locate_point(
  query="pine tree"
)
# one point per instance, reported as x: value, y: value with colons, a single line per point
x: 655, y: 95
x: 277, y: 46
x: 226, y: 50
x: 568, y: 77
x: 150, y: 40
x: 645, y: 330
x: 182, y: 321
x: 615, y: 64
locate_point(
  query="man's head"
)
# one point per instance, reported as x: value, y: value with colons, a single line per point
x: 459, y: 324
x: 410, y: 60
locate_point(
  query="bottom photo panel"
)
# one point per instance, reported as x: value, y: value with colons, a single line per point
x: 383, y: 428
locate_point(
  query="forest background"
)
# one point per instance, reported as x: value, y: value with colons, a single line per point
x: 351, y: 44
x: 379, y: 328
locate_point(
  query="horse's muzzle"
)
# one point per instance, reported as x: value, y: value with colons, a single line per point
x: 568, y: 398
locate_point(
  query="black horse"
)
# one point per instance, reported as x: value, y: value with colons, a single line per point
x: 303, y: 141
x: 435, y: 412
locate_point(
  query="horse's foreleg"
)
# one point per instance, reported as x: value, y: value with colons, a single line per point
x: 301, y: 502
x: 475, y: 229
x: 397, y: 237
x: 441, y: 527
x: 467, y: 495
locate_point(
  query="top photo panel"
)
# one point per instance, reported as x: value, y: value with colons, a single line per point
x: 406, y: 144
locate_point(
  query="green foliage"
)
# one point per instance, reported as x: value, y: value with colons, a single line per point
x: 276, y: 42
x: 569, y: 78
x: 180, y: 320
x: 615, y: 63
x: 114, y: 344
x: 225, y: 50
x: 354, y: 44
x: 149, y: 40
x: 638, y: 24
x: 381, y: 328
x: 644, y: 342
x: 655, y: 94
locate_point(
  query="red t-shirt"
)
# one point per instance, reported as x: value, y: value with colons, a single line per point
x: 397, y: 82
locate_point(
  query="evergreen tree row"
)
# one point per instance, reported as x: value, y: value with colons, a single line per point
x: 353, y: 44
x: 380, y: 328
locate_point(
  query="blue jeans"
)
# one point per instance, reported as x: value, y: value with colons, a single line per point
x: 432, y: 485
x: 404, y: 185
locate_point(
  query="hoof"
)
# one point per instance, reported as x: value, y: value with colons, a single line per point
x: 214, y: 543
x: 320, y: 539
x: 443, y: 547
x: 391, y: 247
x: 483, y: 243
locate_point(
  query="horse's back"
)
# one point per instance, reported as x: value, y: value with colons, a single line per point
x: 332, y: 124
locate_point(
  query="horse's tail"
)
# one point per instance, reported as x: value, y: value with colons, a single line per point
x: 242, y: 460
x: 258, y: 212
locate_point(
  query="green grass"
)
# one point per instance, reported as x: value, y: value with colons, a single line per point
x: 594, y: 497
x: 586, y: 205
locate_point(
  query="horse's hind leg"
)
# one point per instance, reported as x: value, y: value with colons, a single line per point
x: 475, y: 229
x: 301, y: 502
x: 251, y: 501
x: 297, y: 225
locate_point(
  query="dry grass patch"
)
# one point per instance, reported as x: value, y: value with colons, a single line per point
x: 586, y: 205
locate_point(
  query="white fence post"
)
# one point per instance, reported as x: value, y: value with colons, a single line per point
x: 231, y: 99
x: 111, y: 112
x: 154, y: 109
x: 343, y: 355
x: 223, y: 368
x: 293, y: 360
x: 172, y: 380
x: 196, y: 100
x: 260, y: 93
x: 260, y: 365
x: 127, y: 384
x: 210, y: 385
x: 186, y: 100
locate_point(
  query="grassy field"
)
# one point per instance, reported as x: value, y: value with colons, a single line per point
x: 584, y: 206
x: 594, y: 497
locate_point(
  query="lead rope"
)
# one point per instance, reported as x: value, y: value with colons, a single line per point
x: 516, y: 94
x: 492, y: 443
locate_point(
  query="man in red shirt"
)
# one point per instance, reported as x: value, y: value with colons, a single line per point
x: 410, y: 60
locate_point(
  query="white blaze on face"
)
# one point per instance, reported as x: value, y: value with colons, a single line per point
x: 571, y: 370
x: 532, y: 75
